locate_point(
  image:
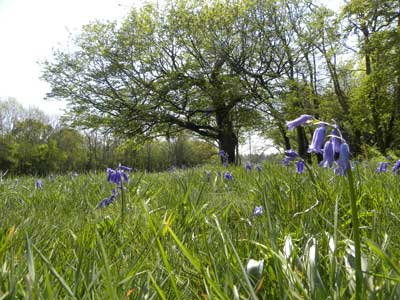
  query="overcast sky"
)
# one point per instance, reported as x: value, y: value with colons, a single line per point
x: 29, y: 29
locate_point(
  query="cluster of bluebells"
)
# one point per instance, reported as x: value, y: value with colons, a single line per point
x: 396, y: 167
x: 228, y: 175
x: 224, y: 157
x: 335, y: 145
x: 248, y: 167
x: 107, y: 201
x: 38, y: 184
x: 258, y: 211
x: 117, y: 176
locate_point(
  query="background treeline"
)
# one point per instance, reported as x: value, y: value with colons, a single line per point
x: 219, y: 68
x: 33, y: 143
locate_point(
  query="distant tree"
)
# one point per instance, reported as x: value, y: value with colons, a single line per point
x: 31, y: 137
x: 70, y: 149
x: 376, y: 100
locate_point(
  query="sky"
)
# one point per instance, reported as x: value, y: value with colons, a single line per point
x: 30, y: 29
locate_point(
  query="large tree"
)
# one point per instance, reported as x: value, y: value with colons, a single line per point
x: 158, y: 73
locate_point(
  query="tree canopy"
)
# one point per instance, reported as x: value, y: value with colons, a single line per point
x: 219, y: 68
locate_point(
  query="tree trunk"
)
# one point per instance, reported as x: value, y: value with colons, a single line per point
x: 227, y: 138
x: 228, y: 142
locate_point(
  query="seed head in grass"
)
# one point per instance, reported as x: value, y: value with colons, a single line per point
x: 228, y: 175
x: 288, y: 247
x: 318, y: 139
x: 258, y: 211
x: 303, y: 119
x: 300, y: 167
x: 396, y: 167
x: 255, y: 268
x: 39, y: 184
x: 382, y: 167
x: 329, y: 156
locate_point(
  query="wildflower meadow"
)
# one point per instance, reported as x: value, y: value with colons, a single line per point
x: 214, y: 232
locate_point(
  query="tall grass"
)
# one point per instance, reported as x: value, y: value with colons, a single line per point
x: 184, y: 237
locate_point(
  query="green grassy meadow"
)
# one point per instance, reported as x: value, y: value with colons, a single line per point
x: 184, y: 237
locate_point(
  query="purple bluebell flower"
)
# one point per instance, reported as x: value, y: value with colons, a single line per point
x: 344, y: 159
x: 39, y: 184
x: 258, y: 211
x: 258, y: 168
x: 328, y: 155
x: 248, y: 166
x: 318, y: 139
x: 224, y: 157
x: 116, y: 176
x: 300, y: 167
x: 298, y: 122
x: 228, y: 175
x: 396, y: 167
x: 290, y: 155
x: 123, y: 168
x: 335, y: 141
x: 382, y: 167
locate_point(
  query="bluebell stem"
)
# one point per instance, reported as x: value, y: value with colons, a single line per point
x: 344, y: 159
x: 382, y: 167
x: 258, y: 211
x: 318, y: 139
x: 300, y: 167
x: 329, y: 155
x: 396, y: 167
x: 298, y: 122
x: 228, y: 175
x: 38, y: 184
